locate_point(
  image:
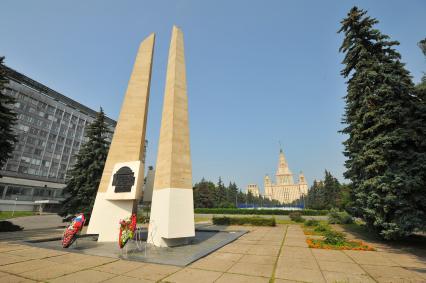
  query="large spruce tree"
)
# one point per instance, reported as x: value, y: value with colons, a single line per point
x: 86, y: 174
x: 7, y: 119
x: 386, y: 162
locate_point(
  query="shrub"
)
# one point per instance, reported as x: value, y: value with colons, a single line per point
x: 334, y: 238
x: 311, y: 222
x: 296, y: 216
x: 307, y: 212
x: 339, y: 217
x: 321, y: 228
x: 255, y: 221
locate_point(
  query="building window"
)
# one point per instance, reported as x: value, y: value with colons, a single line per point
x: 18, y: 193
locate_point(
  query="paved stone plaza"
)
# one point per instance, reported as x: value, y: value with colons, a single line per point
x: 263, y: 253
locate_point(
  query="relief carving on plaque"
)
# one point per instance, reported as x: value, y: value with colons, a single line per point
x: 123, y: 180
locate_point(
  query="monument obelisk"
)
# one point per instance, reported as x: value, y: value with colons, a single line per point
x: 123, y: 175
x: 172, y: 209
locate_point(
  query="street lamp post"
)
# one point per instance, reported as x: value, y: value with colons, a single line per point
x: 14, y: 206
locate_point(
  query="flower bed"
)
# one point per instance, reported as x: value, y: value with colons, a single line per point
x: 331, y: 239
x: 346, y: 245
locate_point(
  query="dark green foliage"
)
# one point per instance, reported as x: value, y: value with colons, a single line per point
x: 254, y: 221
x: 385, y: 147
x: 422, y: 45
x: 311, y: 223
x: 209, y: 195
x: 322, y: 228
x: 339, y: 217
x: 204, y: 194
x: 143, y: 219
x: 86, y: 174
x: 7, y: 119
x: 308, y: 212
x: 7, y: 226
x: 334, y: 238
x: 296, y: 216
x: 327, y: 193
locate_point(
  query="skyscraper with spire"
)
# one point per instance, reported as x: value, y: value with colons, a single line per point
x: 285, y: 190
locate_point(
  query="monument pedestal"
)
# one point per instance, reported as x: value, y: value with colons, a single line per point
x: 172, y: 217
x: 118, y: 202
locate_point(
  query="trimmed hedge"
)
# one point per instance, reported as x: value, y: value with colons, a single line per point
x: 306, y: 212
x: 254, y: 221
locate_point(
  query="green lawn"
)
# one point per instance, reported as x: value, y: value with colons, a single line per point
x: 8, y: 214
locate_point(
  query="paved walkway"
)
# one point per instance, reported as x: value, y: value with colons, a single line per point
x: 278, y: 253
x: 38, y: 221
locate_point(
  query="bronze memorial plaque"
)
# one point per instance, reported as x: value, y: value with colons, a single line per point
x: 123, y: 180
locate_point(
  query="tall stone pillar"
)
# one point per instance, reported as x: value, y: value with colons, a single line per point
x: 122, y: 179
x: 172, y: 209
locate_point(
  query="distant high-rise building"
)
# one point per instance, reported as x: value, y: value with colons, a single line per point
x: 253, y: 189
x: 51, y: 129
x: 285, y: 190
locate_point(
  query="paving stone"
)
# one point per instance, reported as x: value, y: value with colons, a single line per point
x: 419, y: 271
x: 253, y: 269
x: 347, y: 267
x: 406, y: 260
x: 300, y: 274
x: 67, y: 258
x: 126, y: 279
x: 93, y: 261
x: 225, y: 256
x: 213, y: 264
x: 11, y: 247
x: 8, y: 259
x: 236, y: 248
x: 86, y: 276
x: 35, y: 253
x: 296, y: 252
x: 153, y: 271
x: 239, y: 278
x: 294, y: 262
x: 370, y: 258
x: 345, y: 277
x: 21, y: 267
x: 264, y: 250
x: 15, y: 279
x: 389, y: 273
x: 193, y: 275
x: 330, y: 255
x: 277, y: 280
x: 295, y: 243
x: 48, y: 272
x: 120, y: 266
x: 259, y: 259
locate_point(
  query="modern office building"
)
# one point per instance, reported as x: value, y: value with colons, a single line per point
x: 51, y: 129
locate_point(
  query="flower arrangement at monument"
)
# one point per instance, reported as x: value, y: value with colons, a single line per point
x: 127, y: 230
x: 70, y: 233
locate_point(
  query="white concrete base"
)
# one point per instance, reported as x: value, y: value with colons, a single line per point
x: 172, y: 217
x: 106, y: 215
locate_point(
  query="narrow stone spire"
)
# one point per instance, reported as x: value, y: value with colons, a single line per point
x: 173, y: 168
x: 127, y: 149
x: 172, y: 210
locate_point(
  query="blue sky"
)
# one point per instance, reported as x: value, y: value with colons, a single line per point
x: 258, y: 72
